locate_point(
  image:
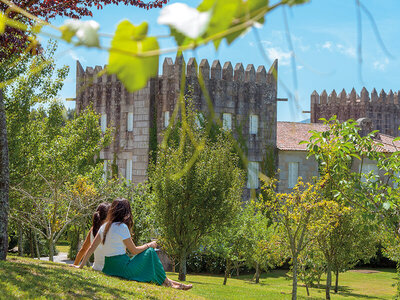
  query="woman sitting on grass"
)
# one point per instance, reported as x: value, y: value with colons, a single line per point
x: 98, y: 219
x: 114, y: 237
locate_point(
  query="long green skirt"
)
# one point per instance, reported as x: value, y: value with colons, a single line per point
x: 143, y: 267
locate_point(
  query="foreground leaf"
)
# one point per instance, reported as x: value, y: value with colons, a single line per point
x: 128, y: 44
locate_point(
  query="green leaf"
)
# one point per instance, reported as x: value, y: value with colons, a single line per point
x: 295, y: 2
x: 2, y: 23
x: 67, y: 33
x: 386, y: 205
x: 133, y: 71
x: 223, y: 13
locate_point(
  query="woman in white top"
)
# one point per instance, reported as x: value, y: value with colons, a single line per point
x: 98, y: 219
x: 114, y: 237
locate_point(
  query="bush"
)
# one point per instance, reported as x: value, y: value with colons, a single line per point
x: 200, y: 262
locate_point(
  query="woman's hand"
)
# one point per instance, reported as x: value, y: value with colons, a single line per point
x: 152, y: 244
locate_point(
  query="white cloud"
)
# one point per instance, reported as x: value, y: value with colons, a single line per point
x: 348, y: 51
x: 380, y: 64
x: 277, y: 53
x: 327, y: 45
x: 185, y: 19
x: 75, y: 56
x: 300, y: 67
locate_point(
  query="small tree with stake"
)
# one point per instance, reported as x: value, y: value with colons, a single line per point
x: 191, y: 204
x: 302, y: 215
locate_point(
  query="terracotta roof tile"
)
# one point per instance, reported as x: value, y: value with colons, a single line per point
x: 290, y: 134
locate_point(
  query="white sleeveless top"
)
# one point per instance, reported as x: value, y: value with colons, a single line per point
x: 98, y: 264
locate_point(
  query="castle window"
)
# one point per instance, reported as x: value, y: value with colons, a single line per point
x: 253, y: 168
x: 129, y: 170
x: 105, y: 170
x: 199, y: 120
x: 253, y: 124
x: 166, y: 119
x: 129, y: 121
x: 367, y: 168
x: 103, y: 123
x: 227, y: 121
x: 293, y: 174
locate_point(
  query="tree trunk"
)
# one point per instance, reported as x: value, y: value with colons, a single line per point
x: 308, y: 291
x: 20, y: 240
x: 4, y: 181
x: 227, y: 271
x: 257, y: 273
x: 182, y: 267
x: 173, y: 264
x: 328, y: 282
x: 36, y: 245
x: 294, y: 283
x: 337, y: 281
x: 31, y: 249
x: 51, y: 249
x: 237, y: 267
x: 319, y: 280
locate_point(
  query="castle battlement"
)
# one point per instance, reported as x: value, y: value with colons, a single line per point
x: 353, y: 97
x: 192, y: 70
x: 383, y: 108
x: 245, y: 97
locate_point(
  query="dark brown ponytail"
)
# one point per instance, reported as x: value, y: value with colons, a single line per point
x: 120, y: 212
x: 99, y: 217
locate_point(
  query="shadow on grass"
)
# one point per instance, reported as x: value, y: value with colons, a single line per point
x: 343, y: 291
x: 39, y: 280
x: 346, y: 291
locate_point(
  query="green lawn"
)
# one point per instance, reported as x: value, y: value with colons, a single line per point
x: 63, y: 248
x: 28, y: 278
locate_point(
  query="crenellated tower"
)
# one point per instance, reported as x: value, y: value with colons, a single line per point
x: 382, y: 109
x: 244, y: 98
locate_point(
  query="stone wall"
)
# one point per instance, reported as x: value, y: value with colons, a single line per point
x: 308, y: 168
x: 238, y: 91
x: 382, y: 109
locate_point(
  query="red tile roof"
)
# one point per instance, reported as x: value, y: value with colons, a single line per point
x: 290, y: 134
x: 388, y: 143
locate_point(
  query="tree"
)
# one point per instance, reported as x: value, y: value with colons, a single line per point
x: 30, y: 89
x: 311, y: 266
x: 302, y: 216
x: 265, y: 249
x: 4, y: 182
x: 189, y: 205
x: 352, y: 240
x: 59, y: 187
x: 16, y: 40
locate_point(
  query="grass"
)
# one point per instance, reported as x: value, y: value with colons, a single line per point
x: 29, y: 278
x: 62, y: 248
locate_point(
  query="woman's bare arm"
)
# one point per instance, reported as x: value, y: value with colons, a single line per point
x: 89, y: 252
x: 82, y: 251
x: 130, y: 245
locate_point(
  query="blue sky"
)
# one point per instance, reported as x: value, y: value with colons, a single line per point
x: 324, y: 37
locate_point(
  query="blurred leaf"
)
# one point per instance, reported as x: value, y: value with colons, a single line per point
x: 133, y: 71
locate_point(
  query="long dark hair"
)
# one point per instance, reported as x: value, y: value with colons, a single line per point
x: 120, y: 212
x: 99, y: 216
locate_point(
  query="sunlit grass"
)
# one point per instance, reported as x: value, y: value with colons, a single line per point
x: 62, y: 248
x: 29, y: 278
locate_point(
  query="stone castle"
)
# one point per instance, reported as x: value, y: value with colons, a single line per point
x: 244, y: 99
x: 383, y: 109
